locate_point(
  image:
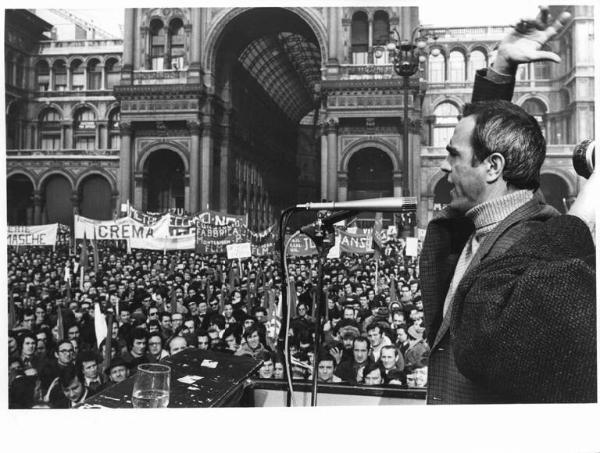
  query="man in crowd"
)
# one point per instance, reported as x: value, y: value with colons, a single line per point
x: 351, y: 371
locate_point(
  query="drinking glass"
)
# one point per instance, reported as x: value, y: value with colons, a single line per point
x: 152, y: 385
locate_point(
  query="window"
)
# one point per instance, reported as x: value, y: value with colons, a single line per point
x: 60, y: 75
x: 360, y: 38
x: 94, y: 75
x: 477, y: 61
x: 113, y: 73
x: 85, y: 142
x: 84, y: 119
x: 157, y: 45
x: 446, y: 118
x: 456, y: 67
x: 8, y: 69
x: 114, y: 133
x: 77, y: 75
x: 436, y: 67
x: 42, y: 76
x: 49, y: 127
x: 20, y: 81
x: 84, y: 127
x: 381, y: 28
x: 177, y: 43
x: 541, y: 70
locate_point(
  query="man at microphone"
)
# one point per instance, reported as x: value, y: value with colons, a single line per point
x: 508, y: 284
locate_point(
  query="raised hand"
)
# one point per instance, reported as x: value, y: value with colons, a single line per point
x: 525, y: 42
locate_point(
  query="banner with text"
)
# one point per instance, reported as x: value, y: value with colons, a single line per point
x: 32, y: 235
x: 121, y: 229
x: 355, y: 243
x: 212, y: 239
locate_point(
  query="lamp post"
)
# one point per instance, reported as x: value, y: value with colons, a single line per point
x: 408, y: 55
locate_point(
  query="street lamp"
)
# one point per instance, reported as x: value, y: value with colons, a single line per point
x: 408, y: 55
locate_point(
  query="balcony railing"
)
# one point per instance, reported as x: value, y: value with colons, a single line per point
x: 45, y: 46
x: 366, y: 71
x: 162, y: 77
x: 63, y: 153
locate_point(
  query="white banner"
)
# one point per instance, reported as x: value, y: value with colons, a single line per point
x: 124, y: 228
x: 412, y: 247
x: 32, y: 235
x: 238, y: 251
x: 187, y: 242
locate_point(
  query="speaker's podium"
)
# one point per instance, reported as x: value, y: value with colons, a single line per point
x: 198, y: 379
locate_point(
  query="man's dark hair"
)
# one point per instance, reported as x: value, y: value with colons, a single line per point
x: 505, y: 128
x: 250, y: 330
x: 372, y: 366
x: 137, y: 334
x: 362, y: 339
x: 373, y: 326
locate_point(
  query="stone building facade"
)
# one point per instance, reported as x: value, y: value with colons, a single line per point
x: 251, y: 110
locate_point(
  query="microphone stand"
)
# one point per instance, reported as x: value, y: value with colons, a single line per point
x: 324, y: 238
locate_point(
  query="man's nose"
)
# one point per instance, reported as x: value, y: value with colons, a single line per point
x: 445, y: 167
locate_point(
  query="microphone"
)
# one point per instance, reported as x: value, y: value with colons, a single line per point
x: 584, y: 158
x: 327, y: 223
x: 386, y: 204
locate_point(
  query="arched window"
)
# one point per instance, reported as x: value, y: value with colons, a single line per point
x: 157, y: 45
x: 381, y: 28
x: 537, y: 109
x: 49, y: 129
x: 94, y: 75
x: 360, y: 38
x: 84, y: 129
x: 114, y: 133
x: 446, y: 118
x: 437, y: 67
x: 42, y: 76
x: 541, y: 70
x: 113, y: 73
x: 456, y: 67
x: 12, y: 128
x: 59, y: 70
x: 77, y: 75
x: 476, y: 61
x: 177, y: 43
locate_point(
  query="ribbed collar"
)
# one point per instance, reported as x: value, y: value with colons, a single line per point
x: 487, y: 215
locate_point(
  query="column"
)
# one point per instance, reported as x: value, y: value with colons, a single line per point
x: 323, y: 163
x: 69, y: 85
x: 103, y: 135
x: 37, y: 207
x: 342, y: 186
x: 125, y: 157
x: 397, y: 182
x: 224, y: 171
x: 75, y: 200
x: 195, y: 130
x: 102, y: 77
x: 331, y: 34
x: 206, y: 161
x: 139, y: 198
x: 332, y: 163
x: 196, y: 39
x: 66, y: 135
x: 129, y: 29
x: 28, y: 137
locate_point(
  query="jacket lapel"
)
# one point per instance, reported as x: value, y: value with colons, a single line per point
x: 527, y: 211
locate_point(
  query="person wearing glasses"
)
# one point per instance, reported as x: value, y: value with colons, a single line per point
x: 64, y: 356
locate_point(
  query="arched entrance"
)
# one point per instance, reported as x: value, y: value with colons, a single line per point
x: 19, y: 200
x: 95, y: 198
x: 58, y: 204
x: 269, y: 74
x: 441, y: 194
x: 555, y: 190
x: 164, y: 181
x: 370, y: 175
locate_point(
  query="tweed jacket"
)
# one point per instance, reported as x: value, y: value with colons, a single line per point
x: 446, y: 236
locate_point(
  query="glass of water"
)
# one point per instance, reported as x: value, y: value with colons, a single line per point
x: 152, y: 385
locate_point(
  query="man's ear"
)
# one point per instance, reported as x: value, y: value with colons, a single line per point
x: 495, y: 166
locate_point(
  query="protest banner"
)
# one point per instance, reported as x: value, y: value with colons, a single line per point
x: 222, y: 219
x: 355, y: 243
x: 212, y: 239
x: 120, y: 229
x: 301, y: 245
x: 238, y: 251
x: 187, y: 242
x: 32, y: 235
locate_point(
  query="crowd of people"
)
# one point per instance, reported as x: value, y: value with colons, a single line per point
x: 161, y: 303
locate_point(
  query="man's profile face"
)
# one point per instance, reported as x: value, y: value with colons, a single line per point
x: 177, y: 344
x: 360, y: 351
x: 374, y: 336
x: 469, y: 181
